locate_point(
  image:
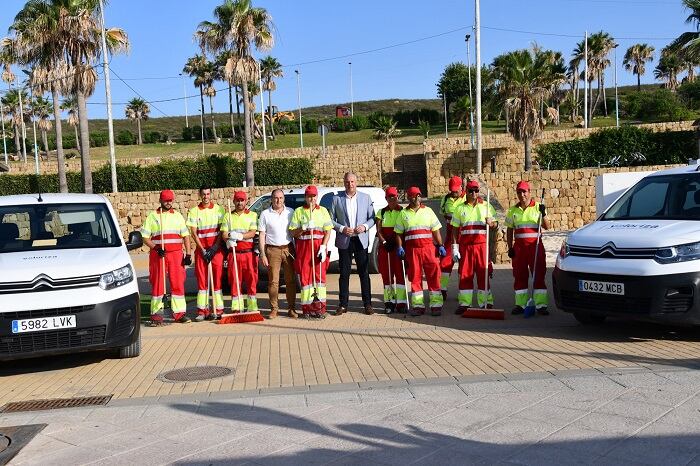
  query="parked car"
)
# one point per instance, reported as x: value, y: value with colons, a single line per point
x: 67, y: 282
x: 294, y: 198
x: 640, y: 258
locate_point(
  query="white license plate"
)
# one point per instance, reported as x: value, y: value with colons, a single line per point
x: 594, y: 286
x: 42, y: 323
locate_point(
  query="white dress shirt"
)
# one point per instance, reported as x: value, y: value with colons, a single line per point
x: 351, y: 207
x: 275, y: 226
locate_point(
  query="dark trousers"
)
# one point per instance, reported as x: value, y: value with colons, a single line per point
x: 362, y: 261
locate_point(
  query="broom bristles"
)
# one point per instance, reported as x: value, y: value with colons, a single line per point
x: 241, y: 317
x: 478, y: 313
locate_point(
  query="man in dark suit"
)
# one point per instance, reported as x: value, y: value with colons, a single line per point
x: 353, y: 214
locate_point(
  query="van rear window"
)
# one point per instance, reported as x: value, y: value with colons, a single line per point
x: 56, y: 226
x: 672, y: 197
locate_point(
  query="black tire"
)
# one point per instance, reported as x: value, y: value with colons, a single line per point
x: 373, y: 260
x: 587, y: 318
x: 131, y: 351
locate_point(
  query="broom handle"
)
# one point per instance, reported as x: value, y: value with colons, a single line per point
x: 210, y: 285
x: 235, y: 263
x: 391, y: 278
x: 537, y: 249
x: 405, y: 282
x: 162, y: 259
x: 486, y: 272
x: 313, y: 253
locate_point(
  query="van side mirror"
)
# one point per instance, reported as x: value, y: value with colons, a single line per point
x: 135, y: 241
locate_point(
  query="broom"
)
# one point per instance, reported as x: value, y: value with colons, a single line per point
x: 530, y: 306
x: 407, y: 285
x: 316, y: 305
x: 210, y: 287
x: 238, y: 317
x: 484, y: 312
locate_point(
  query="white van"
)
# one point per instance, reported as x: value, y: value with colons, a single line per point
x: 640, y: 258
x: 67, y: 282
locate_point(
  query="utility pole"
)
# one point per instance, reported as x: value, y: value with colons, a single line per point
x: 352, y: 100
x: 477, y: 43
x: 617, y: 102
x: 301, y: 129
x: 184, y: 88
x: 24, y: 129
x: 444, y: 103
x: 108, y: 92
x: 2, y: 118
x: 262, y: 107
x: 31, y: 115
x: 585, y: 81
x: 471, y: 102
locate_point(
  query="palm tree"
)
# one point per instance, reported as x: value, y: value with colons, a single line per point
x: 220, y: 66
x: 636, y: 59
x: 689, y: 42
x: 385, y: 128
x: 137, y: 109
x: 599, y: 46
x: 270, y: 68
x: 239, y: 28
x: 62, y: 39
x: 70, y: 105
x: 42, y: 108
x: 670, y: 64
x: 527, y: 78
x: 11, y: 102
x: 196, y: 67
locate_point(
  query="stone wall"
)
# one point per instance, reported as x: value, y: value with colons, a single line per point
x: 447, y: 157
x: 368, y: 160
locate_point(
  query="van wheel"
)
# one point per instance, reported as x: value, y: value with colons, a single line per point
x: 586, y: 318
x: 131, y: 351
x: 373, y: 260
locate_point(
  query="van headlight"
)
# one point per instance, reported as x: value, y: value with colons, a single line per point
x: 116, y: 278
x: 682, y: 253
x: 564, y: 250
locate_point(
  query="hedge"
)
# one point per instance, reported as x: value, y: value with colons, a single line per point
x: 218, y: 171
x: 601, y: 147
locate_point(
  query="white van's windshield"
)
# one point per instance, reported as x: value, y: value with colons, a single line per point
x: 666, y: 197
x: 43, y: 227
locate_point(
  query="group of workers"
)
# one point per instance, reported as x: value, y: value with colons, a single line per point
x: 296, y: 242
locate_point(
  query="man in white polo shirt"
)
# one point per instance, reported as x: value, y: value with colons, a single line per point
x: 275, y: 250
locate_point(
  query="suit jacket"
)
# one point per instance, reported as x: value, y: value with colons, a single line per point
x: 339, y: 216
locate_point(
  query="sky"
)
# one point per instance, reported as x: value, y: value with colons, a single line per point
x: 333, y: 33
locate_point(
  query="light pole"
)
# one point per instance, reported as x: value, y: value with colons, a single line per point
x: 184, y: 88
x: 617, y: 102
x: 301, y: 130
x: 2, y: 119
x: 31, y: 115
x: 201, y: 115
x: 444, y: 103
x: 352, y: 100
x: 477, y: 43
x: 585, y: 81
x: 262, y: 106
x: 108, y: 92
x: 471, y: 106
x: 24, y: 129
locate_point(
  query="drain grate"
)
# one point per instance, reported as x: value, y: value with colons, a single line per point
x: 58, y: 403
x: 194, y: 374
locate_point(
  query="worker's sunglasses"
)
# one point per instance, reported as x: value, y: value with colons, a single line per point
x: 521, y: 191
x: 472, y: 191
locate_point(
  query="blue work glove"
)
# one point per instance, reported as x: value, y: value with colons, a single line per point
x: 442, y: 252
x: 401, y: 252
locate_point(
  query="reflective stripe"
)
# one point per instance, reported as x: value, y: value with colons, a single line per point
x: 207, y: 235
x: 526, y: 225
x: 472, y: 232
x: 526, y: 235
x: 308, y: 237
x: 168, y: 241
x: 521, y: 291
x: 419, y: 227
x: 424, y: 235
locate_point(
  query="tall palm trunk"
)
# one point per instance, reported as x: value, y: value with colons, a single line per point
x: 605, y: 100
x: 201, y: 101
x: 238, y: 109
x: 230, y: 111
x: 18, y: 146
x: 60, y: 158
x: 45, y: 142
x: 247, y: 138
x: 77, y: 137
x: 211, y: 111
x: 528, y: 160
x: 639, y: 82
x: 269, y: 112
x: 138, y: 125
x: 84, y: 143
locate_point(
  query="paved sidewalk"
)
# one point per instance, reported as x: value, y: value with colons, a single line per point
x: 624, y: 416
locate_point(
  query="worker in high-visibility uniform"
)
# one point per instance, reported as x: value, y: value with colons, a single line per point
x: 470, y: 221
x: 204, y: 221
x: 522, y: 220
x: 421, y: 245
x: 238, y: 230
x: 166, y: 241
x: 448, y: 204
x: 389, y: 263
x: 311, y: 225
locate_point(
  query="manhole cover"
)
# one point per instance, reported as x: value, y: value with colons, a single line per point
x: 193, y: 374
x: 4, y: 442
x: 58, y: 403
x: 14, y: 438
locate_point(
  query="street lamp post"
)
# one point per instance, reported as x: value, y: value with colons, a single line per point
x: 262, y: 107
x: 477, y: 43
x: 31, y: 115
x: 24, y: 129
x: 585, y: 81
x: 352, y: 100
x: 471, y: 106
x: 617, y: 102
x: 4, y: 141
x: 184, y: 88
x: 444, y: 103
x: 301, y: 129
x: 108, y: 92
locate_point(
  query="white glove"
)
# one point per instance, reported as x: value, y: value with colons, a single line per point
x: 456, y: 256
x: 322, y: 253
x: 231, y: 243
x: 236, y: 236
x: 311, y: 225
x: 305, y: 227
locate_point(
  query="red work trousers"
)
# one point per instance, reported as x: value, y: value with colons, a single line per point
x: 390, y: 260
x: 247, y: 275
x: 306, y: 269
x: 523, y: 263
x: 422, y: 260
x: 446, y: 263
x: 175, y: 272
x: 473, y: 262
x: 201, y: 271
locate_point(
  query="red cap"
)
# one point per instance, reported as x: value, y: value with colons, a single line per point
x: 523, y: 185
x: 240, y: 196
x: 391, y: 191
x: 413, y: 191
x: 472, y: 184
x: 311, y: 191
x: 455, y: 183
x: 167, y: 195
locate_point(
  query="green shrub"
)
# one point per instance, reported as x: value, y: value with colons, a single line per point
x: 100, y: 139
x: 151, y: 137
x: 125, y: 138
x: 407, y: 118
x: 310, y: 125
x: 623, y: 143
x: 662, y: 104
x: 689, y: 92
x: 359, y: 122
x: 220, y: 171
x: 187, y: 133
x: 341, y: 125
